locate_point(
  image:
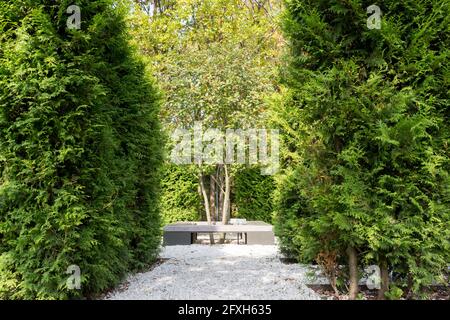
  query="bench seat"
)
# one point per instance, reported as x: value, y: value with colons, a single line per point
x: 184, y: 233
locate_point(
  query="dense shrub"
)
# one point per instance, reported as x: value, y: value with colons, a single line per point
x: 252, y: 195
x: 80, y: 148
x: 366, y: 128
x: 180, y: 199
x: 290, y: 211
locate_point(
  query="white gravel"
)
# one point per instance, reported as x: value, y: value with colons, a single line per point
x: 227, y: 271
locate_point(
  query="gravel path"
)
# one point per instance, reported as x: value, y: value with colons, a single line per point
x: 219, y: 272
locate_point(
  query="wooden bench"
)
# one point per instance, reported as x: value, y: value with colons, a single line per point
x: 185, y: 233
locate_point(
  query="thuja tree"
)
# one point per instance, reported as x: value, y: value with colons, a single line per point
x: 366, y: 128
x: 79, y: 150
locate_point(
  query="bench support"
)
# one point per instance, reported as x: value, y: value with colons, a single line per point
x: 177, y: 238
x: 265, y: 238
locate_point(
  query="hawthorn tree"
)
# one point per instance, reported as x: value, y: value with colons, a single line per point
x: 216, y: 63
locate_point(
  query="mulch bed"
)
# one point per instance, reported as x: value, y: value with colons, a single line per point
x: 433, y: 292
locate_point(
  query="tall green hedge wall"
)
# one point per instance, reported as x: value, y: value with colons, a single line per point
x: 80, y: 150
x: 365, y: 118
x: 180, y: 198
x: 253, y: 195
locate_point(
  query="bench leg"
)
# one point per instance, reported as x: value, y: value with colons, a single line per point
x: 266, y: 238
x: 177, y: 238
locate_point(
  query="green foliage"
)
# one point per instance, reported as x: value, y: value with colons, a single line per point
x: 80, y: 150
x: 216, y: 62
x: 394, y: 293
x: 365, y: 120
x: 8, y: 280
x: 214, y: 59
x: 180, y: 199
x: 290, y: 210
x: 253, y: 195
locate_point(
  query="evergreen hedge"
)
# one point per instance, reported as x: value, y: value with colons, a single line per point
x: 365, y: 117
x: 80, y: 150
x: 180, y: 198
x: 253, y: 195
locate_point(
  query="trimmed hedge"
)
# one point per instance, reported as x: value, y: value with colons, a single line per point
x: 180, y: 199
x: 365, y: 122
x: 80, y: 150
x: 253, y: 195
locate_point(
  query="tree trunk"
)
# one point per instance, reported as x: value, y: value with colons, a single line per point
x: 218, y: 193
x: 226, y: 201
x: 206, y: 203
x: 333, y: 283
x: 409, y: 288
x: 384, y: 279
x: 212, y: 202
x: 212, y: 197
x: 353, y: 272
x: 155, y: 7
